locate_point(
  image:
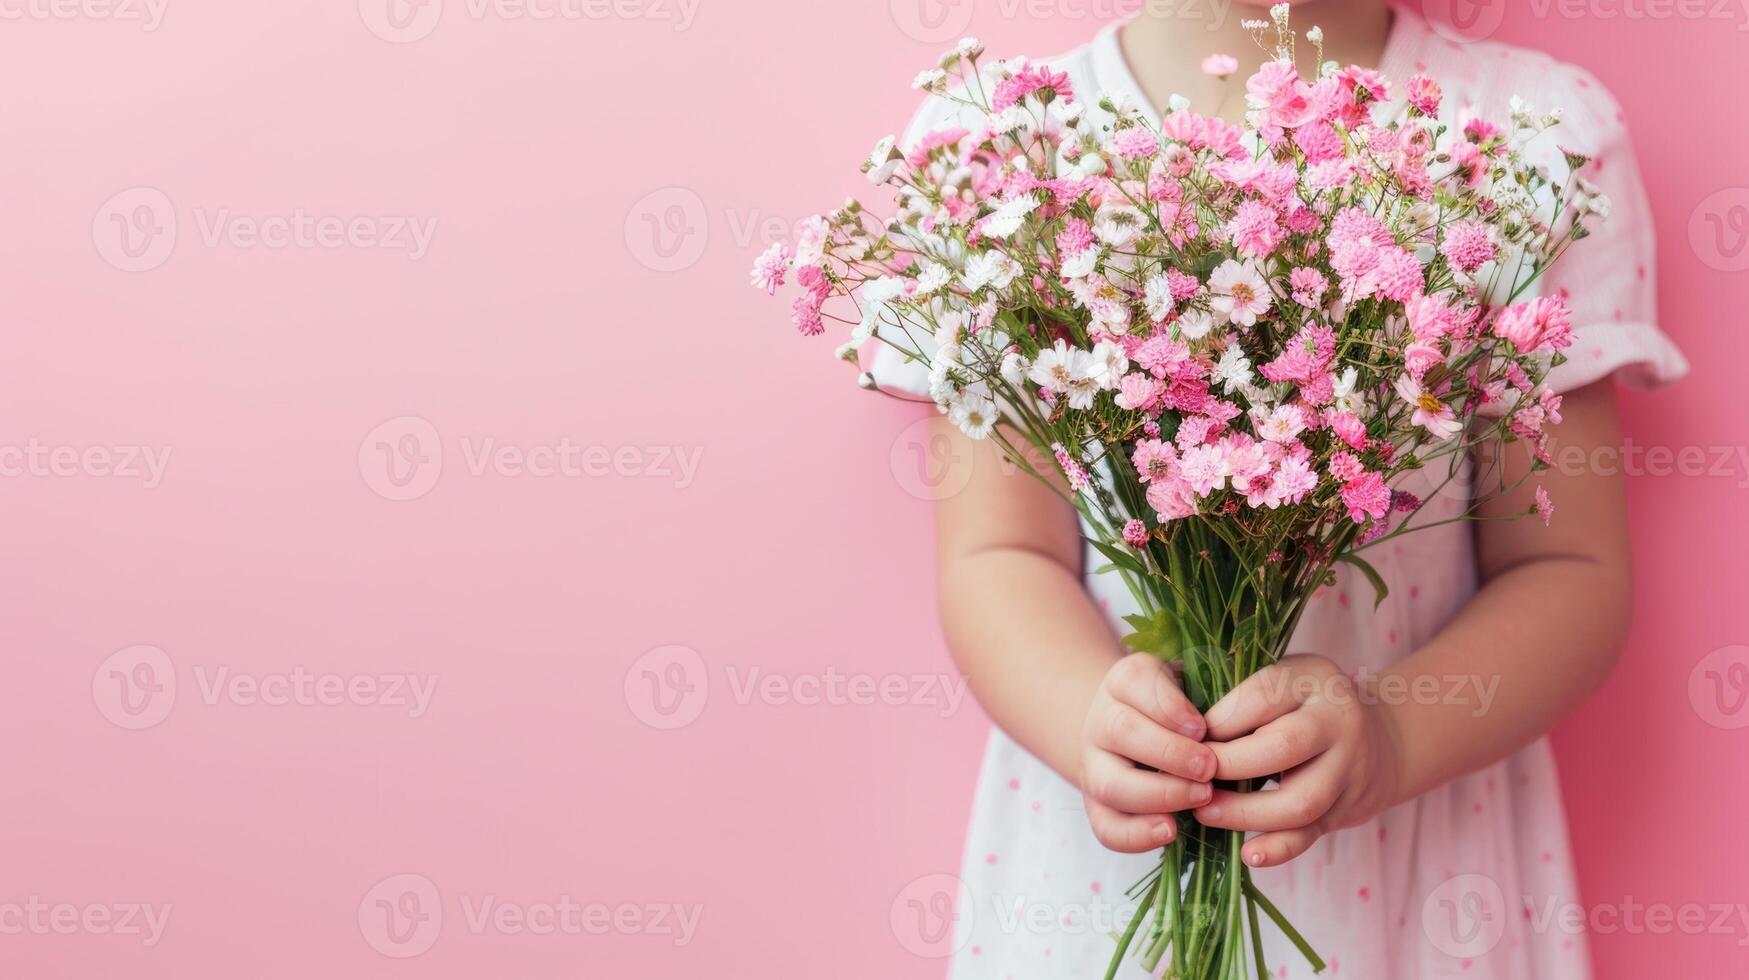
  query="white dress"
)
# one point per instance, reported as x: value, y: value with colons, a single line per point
x: 1467, y: 881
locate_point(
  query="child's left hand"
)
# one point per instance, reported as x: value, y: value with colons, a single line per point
x: 1305, y: 719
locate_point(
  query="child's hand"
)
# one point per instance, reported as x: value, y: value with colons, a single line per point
x: 1140, y: 717
x: 1306, y: 718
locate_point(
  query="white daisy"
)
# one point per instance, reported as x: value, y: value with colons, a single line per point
x: 975, y: 414
x: 1234, y: 369
x: 1239, y: 293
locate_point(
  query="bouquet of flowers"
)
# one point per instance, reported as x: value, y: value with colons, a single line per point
x: 1229, y: 343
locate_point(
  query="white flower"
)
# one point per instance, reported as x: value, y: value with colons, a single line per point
x: 1283, y: 424
x: 811, y: 240
x: 1157, y: 297
x: 1195, y: 324
x: 884, y: 160
x: 928, y: 79
x: 1068, y: 371
x: 1082, y: 264
x: 1430, y: 413
x: 1347, y: 398
x: 1239, y: 293
x: 1109, y: 363
x: 1118, y: 225
x: 1177, y: 103
x: 934, y: 276
x: 1014, y: 367
x: 975, y: 414
x: 969, y: 47
x: 993, y: 268
x: 1234, y: 369
x: 1008, y: 216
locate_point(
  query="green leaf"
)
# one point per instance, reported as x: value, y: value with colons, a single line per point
x: 1372, y: 575
x: 1117, y: 556
x: 1157, y: 635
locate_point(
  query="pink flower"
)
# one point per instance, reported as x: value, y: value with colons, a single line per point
x: 1421, y: 357
x: 1183, y: 285
x: 1134, y: 142
x: 1425, y: 95
x: 769, y: 268
x: 1430, y: 413
x: 1468, y: 245
x: 1072, y: 469
x: 1035, y: 79
x: 1172, y: 500
x: 1399, y: 275
x: 1349, y: 428
x: 1204, y: 469
x: 1346, y: 467
x: 1135, y: 533
x: 1137, y: 392
x: 1220, y: 65
x: 1366, y: 496
x: 1255, y: 229
x: 1540, y: 324
x: 1308, y: 285
x: 1545, y: 507
x: 1431, y: 317
x: 1075, y: 238
x: 1154, y: 460
x: 1319, y: 141
x: 805, y: 314
x: 1293, y: 480
x: 1285, y: 98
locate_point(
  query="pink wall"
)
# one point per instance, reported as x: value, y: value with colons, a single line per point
x: 518, y: 256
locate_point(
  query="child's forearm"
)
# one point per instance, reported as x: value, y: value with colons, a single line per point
x: 1032, y: 644
x: 1534, y: 642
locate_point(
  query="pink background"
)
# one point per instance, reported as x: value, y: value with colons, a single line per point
x: 557, y: 300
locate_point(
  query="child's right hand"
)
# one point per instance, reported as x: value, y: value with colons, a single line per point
x: 1140, y: 718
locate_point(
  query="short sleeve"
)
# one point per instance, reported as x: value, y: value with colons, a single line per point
x: 891, y: 369
x: 1609, y: 278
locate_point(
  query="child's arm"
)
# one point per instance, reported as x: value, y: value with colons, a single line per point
x: 1547, y: 626
x: 1041, y: 660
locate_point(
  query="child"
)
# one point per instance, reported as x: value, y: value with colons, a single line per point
x: 1420, y: 810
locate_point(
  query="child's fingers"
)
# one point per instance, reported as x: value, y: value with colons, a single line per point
x: 1265, y: 696
x: 1148, y: 685
x: 1133, y: 735
x: 1276, y: 747
x: 1306, y: 794
x: 1121, y: 786
x: 1279, y: 846
x: 1129, y: 833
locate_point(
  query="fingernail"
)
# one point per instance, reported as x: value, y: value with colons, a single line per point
x: 1208, y: 813
x: 1164, y: 830
x: 1202, y: 767
x: 1201, y: 793
x: 1255, y: 859
x: 1192, y: 729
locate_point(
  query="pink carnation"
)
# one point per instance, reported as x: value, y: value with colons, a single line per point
x: 1135, y: 533
x: 1545, y: 507
x: 1399, y: 275
x: 1255, y: 229
x: 1220, y: 65
x: 1366, y: 496
x: 1425, y: 95
x: 1346, y: 467
x: 1036, y: 79
x: 1308, y: 285
x: 1134, y: 142
x: 1468, y: 245
x: 1075, y: 237
x: 769, y: 268
x: 1540, y: 324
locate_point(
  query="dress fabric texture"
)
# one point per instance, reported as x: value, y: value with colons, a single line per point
x: 1470, y: 880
